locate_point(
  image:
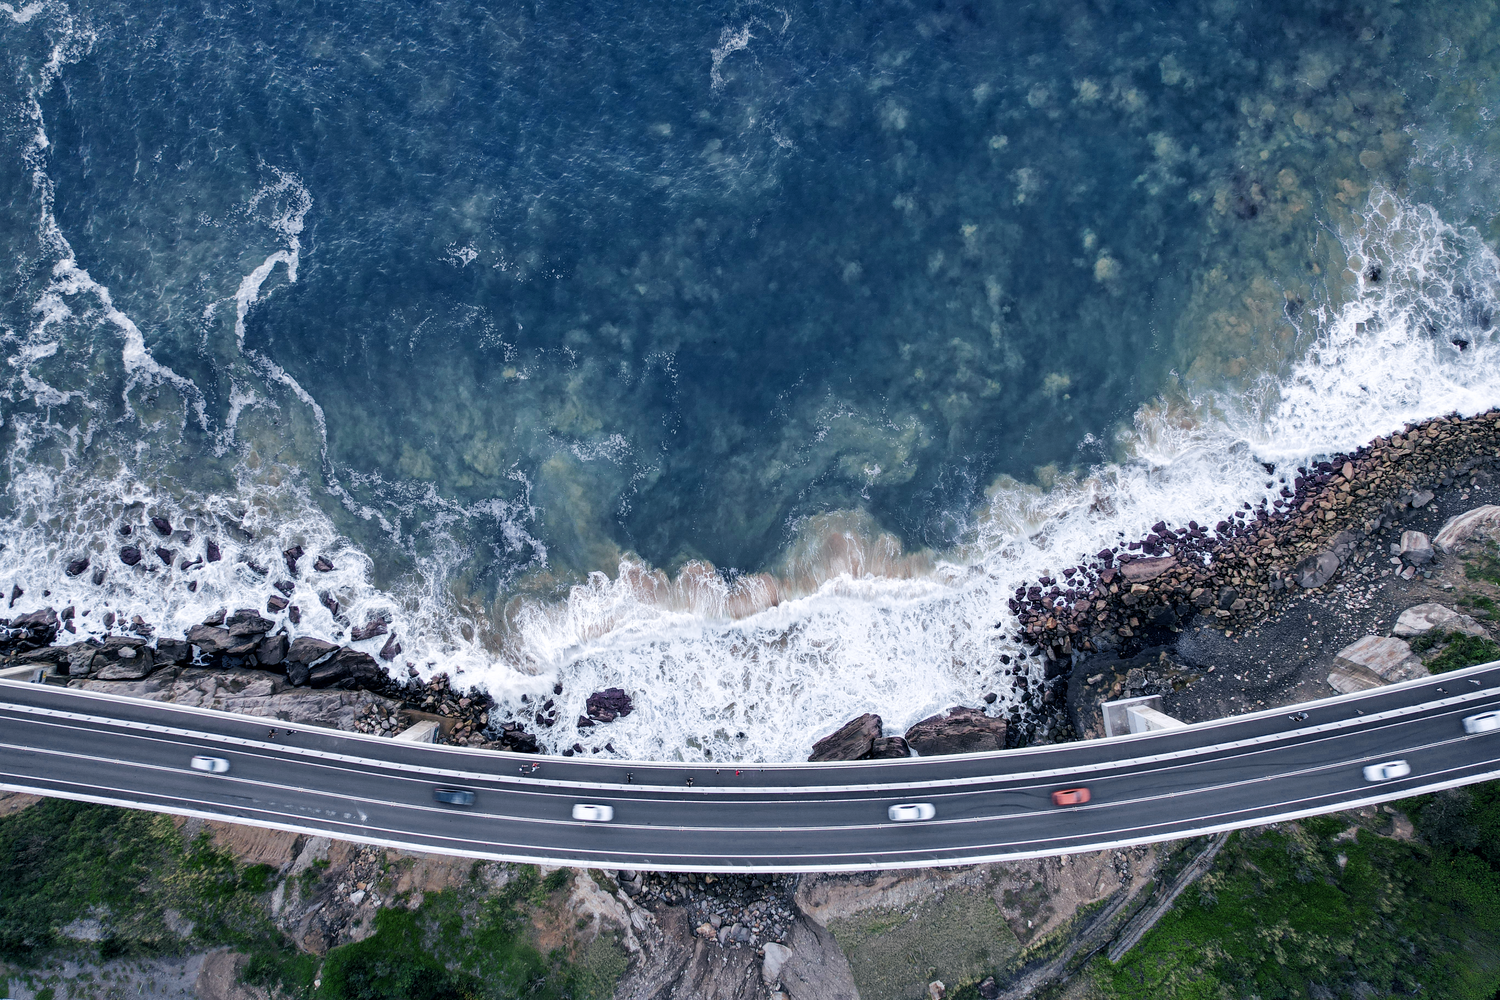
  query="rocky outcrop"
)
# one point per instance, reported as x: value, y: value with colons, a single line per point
x: 27, y: 632
x: 1426, y: 617
x: 1142, y: 570
x: 608, y: 705
x: 1373, y: 662
x: 1316, y: 570
x: 889, y: 748
x: 852, y: 740
x: 958, y: 730
x: 302, y: 654
x: 248, y: 692
x: 1481, y: 523
x: 123, y: 658
x: 1416, y: 548
x: 347, y: 668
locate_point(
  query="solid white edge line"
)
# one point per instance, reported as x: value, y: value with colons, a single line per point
x: 615, y: 861
x: 1229, y: 720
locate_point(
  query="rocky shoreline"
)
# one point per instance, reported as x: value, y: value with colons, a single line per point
x: 1314, y: 536
x: 1335, y: 526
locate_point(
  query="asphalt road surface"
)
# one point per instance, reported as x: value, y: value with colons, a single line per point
x: 1243, y: 771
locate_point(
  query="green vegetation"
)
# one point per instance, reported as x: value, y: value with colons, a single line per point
x: 468, y: 944
x: 1456, y: 650
x: 62, y: 862
x: 1479, y: 606
x: 1484, y: 565
x: 131, y: 879
x: 1301, y: 909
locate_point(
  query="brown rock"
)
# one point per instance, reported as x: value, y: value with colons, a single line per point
x: 959, y: 730
x: 248, y: 622
x: 1316, y: 570
x: 889, y: 748
x: 211, y: 639
x: 852, y: 741
x: 271, y: 652
x: 1141, y: 570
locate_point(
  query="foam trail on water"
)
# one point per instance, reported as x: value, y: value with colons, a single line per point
x: 1413, y: 340
x: 755, y: 668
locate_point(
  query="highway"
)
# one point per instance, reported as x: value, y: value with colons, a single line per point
x: 1242, y: 771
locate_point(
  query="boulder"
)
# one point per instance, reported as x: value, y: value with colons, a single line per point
x: 1416, y: 550
x: 959, y: 730
x: 271, y: 653
x: 1459, y: 531
x: 29, y: 631
x: 888, y: 748
x: 162, y: 525
x: 391, y: 649
x: 322, y: 565
x: 1316, y: 570
x: 1343, y: 544
x: 130, y: 555
x: 212, y: 640
x: 55, y: 655
x: 276, y: 604
x: 852, y: 741
x: 608, y: 705
x: 1425, y: 617
x: 124, y: 658
x: 770, y: 966
x: 81, y: 657
x: 291, y: 556
x: 173, y: 651
x: 301, y: 656
x: 211, y: 550
x: 348, y: 668
x: 1422, y: 498
x: 1372, y: 662
x: 368, y: 630
x: 248, y: 621
x: 1141, y: 570
x: 78, y: 567
x: 165, y: 554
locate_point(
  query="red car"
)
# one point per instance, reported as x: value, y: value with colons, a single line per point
x: 1070, y: 797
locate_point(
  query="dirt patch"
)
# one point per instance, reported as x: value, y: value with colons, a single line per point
x: 13, y: 802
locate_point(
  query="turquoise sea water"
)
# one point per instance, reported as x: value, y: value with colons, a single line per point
x: 740, y: 355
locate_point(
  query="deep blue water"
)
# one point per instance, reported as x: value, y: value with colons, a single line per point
x: 576, y: 280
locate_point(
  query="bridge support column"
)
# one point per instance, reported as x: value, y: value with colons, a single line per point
x: 1136, y: 715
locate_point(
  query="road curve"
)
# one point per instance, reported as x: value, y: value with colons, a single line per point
x: 1242, y: 771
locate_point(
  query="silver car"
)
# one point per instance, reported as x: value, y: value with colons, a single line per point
x: 910, y: 812
x: 213, y: 765
x: 1485, y: 722
x: 592, y: 813
x: 1388, y: 771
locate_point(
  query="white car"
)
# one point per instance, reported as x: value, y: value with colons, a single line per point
x: 1486, y: 722
x: 592, y: 813
x: 1388, y: 771
x: 909, y: 812
x: 213, y: 765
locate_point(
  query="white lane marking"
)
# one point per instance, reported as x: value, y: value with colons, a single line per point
x: 1375, y: 694
x: 546, y: 792
x: 778, y: 863
x: 1015, y: 816
x: 492, y: 756
x: 259, y: 751
x: 363, y: 763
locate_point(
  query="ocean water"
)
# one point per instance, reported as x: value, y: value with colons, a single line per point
x: 743, y: 356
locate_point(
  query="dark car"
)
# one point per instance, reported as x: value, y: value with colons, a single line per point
x: 454, y: 796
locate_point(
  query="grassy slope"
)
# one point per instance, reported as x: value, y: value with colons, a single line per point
x: 65, y: 861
